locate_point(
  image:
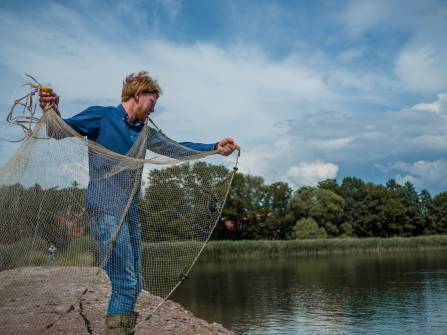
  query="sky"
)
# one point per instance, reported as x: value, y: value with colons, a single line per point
x: 310, y: 89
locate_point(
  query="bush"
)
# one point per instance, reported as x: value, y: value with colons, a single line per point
x: 346, y: 230
x: 308, y: 229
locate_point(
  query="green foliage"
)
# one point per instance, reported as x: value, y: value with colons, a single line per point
x: 330, y: 185
x: 346, y: 230
x: 385, y: 212
x: 255, y: 210
x: 308, y: 229
x: 437, y: 214
x: 179, y: 199
x: 19, y: 253
x: 322, y: 205
x: 352, y: 208
x: 246, y: 205
x: 412, y: 222
x: 355, y: 193
x: 376, y: 210
x: 424, y: 201
x: 50, y: 214
x: 34, y: 252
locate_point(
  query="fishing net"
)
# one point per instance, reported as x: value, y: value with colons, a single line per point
x: 71, y: 208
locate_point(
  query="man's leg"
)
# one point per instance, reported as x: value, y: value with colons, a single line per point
x: 135, y: 240
x: 120, y: 266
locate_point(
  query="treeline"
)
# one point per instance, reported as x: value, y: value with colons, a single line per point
x: 352, y: 208
x: 52, y: 214
x: 182, y: 203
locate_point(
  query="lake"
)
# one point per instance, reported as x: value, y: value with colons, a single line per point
x: 389, y: 293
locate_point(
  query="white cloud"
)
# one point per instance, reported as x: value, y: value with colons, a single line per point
x: 306, y: 105
x: 439, y: 106
x: 334, y: 144
x: 373, y: 87
x: 422, y: 173
x: 422, y: 68
x: 309, y: 174
x: 420, y: 63
x: 216, y: 88
x: 209, y: 91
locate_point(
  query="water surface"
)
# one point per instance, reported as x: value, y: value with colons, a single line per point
x: 390, y: 293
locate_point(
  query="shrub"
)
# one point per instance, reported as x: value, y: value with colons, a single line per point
x: 308, y: 229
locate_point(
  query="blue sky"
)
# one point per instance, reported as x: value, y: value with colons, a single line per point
x: 310, y: 89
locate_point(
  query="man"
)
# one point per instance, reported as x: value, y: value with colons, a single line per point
x: 117, y: 129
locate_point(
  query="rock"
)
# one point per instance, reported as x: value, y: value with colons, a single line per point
x: 73, y: 300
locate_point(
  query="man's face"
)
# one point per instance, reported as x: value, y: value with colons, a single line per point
x: 145, y: 105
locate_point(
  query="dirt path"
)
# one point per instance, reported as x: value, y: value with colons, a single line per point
x: 73, y: 300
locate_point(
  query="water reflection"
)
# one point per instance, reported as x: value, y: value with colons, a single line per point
x: 399, y: 293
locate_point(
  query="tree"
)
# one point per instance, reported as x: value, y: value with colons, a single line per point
x: 354, y: 192
x: 331, y: 185
x: 55, y: 215
x: 424, y: 205
x: 273, y: 225
x: 437, y: 214
x: 346, y: 230
x: 386, y: 213
x: 412, y: 221
x: 247, y: 206
x: 322, y: 205
x: 179, y: 199
x: 424, y: 201
x: 373, y: 210
x: 308, y: 229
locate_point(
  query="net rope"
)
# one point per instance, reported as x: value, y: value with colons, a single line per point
x: 74, y: 209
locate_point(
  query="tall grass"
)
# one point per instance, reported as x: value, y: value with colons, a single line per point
x: 81, y: 251
x: 34, y: 252
x: 238, y: 249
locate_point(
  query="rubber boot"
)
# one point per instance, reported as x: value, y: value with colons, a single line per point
x: 121, y: 324
x: 131, y: 323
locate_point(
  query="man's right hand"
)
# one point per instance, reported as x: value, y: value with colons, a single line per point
x: 226, y: 146
x: 46, y: 97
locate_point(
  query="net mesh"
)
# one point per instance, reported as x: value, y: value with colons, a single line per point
x: 73, y: 209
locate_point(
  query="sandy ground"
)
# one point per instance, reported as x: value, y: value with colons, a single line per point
x: 73, y: 300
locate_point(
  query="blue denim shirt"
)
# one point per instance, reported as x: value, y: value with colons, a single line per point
x: 108, y: 127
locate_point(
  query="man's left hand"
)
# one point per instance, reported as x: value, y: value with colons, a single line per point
x: 226, y: 146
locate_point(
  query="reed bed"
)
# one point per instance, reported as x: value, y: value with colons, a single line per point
x: 34, y: 252
x: 270, y: 248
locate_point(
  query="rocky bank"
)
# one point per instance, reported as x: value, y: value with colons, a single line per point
x: 73, y: 300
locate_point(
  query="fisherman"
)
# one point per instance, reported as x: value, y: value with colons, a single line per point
x: 117, y: 128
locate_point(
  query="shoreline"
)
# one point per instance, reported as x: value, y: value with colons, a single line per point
x: 79, y: 252
x: 277, y: 248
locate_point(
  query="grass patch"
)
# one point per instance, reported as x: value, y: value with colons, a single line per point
x: 34, y: 252
x: 81, y: 251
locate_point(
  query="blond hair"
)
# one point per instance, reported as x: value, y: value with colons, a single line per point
x: 136, y: 83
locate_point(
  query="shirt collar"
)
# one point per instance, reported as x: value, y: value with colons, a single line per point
x: 121, y: 110
x: 125, y: 117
